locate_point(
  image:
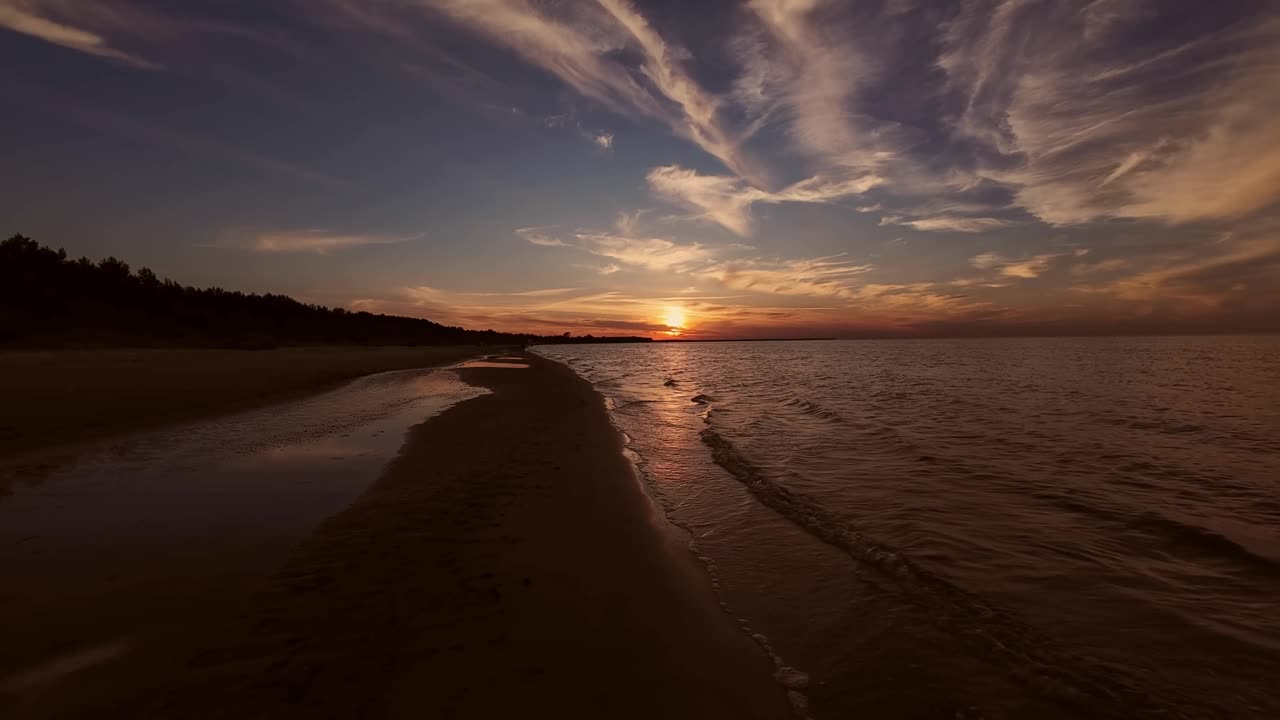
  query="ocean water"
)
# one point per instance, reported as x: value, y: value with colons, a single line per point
x: 1078, y: 527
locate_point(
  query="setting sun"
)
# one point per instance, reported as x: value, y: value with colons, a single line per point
x: 946, y: 327
x: 674, y: 319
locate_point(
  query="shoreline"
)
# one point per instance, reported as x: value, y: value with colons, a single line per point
x: 58, y: 401
x: 506, y: 563
x: 130, y: 544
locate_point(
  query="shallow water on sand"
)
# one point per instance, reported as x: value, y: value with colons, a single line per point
x: 162, y: 517
x: 982, y: 528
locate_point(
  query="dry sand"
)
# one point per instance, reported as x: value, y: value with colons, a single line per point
x: 59, y: 398
x: 506, y: 564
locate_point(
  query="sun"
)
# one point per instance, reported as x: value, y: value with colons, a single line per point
x: 674, y: 319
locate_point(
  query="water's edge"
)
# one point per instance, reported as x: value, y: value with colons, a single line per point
x: 794, y: 681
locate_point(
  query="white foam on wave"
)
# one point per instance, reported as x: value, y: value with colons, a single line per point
x: 792, y: 680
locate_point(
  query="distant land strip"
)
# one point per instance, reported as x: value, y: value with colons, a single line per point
x: 48, y: 300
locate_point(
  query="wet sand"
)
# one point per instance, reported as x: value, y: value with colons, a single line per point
x: 506, y: 564
x: 59, y: 398
x: 132, y: 544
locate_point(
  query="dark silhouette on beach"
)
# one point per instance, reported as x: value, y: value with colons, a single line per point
x: 50, y: 300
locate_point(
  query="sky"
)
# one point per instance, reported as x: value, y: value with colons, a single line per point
x: 768, y: 168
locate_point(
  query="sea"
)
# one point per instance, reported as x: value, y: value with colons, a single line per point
x: 976, y: 528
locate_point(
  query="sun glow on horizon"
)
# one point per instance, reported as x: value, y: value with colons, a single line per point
x: 674, y: 319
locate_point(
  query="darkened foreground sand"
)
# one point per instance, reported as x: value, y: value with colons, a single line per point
x: 506, y: 564
x: 62, y: 397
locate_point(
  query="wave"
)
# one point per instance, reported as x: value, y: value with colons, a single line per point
x: 813, y: 409
x: 1058, y: 676
x: 1153, y: 423
x: 1196, y: 538
x: 615, y: 405
x: 1173, y: 534
x: 793, y: 681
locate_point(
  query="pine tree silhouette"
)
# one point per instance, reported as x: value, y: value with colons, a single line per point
x: 47, y: 300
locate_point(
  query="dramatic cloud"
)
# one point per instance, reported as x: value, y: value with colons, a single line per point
x: 1102, y: 118
x: 1108, y: 118
x: 914, y: 164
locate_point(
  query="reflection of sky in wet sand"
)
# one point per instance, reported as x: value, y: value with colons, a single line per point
x: 170, y: 510
x: 494, y: 361
x: 280, y: 467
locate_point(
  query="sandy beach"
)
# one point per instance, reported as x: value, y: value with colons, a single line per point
x: 55, y: 399
x: 506, y: 563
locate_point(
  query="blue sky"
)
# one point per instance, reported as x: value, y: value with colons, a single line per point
x: 763, y: 168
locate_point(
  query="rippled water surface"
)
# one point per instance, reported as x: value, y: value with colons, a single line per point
x: 981, y: 528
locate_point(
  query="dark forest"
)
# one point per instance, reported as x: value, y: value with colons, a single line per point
x: 50, y: 300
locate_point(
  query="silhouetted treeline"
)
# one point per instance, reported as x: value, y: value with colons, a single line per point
x: 49, y: 300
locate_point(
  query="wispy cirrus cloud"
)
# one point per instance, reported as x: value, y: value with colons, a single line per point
x: 1103, y: 120
x: 937, y: 115
x: 1136, y: 127
x: 1080, y: 129
x: 816, y: 74
x: 550, y: 310
x: 1101, y: 267
x: 837, y: 281
x: 311, y: 241
x: 540, y: 236
x: 599, y: 138
x: 726, y: 200
x: 583, y: 43
x: 647, y: 253
x: 53, y: 22
x: 141, y: 33
x: 432, y: 294
x: 1024, y: 268
x: 952, y: 223
x: 722, y: 199
x: 1231, y: 268
x: 819, y: 277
